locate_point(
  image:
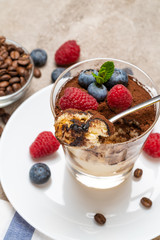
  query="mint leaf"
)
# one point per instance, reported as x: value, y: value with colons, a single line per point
x: 99, y: 80
x: 94, y: 75
x: 109, y: 69
x: 105, y: 72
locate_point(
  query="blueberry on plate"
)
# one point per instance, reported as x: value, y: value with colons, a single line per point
x: 56, y: 72
x: 118, y: 77
x: 39, y: 57
x: 86, y: 78
x: 99, y: 92
x: 39, y: 173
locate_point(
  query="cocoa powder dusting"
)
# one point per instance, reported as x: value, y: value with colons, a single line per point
x: 130, y: 126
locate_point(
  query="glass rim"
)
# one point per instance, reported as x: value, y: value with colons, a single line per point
x: 106, y: 59
x: 12, y: 95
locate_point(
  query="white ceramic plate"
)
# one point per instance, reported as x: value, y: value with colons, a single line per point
x: 63, y: 208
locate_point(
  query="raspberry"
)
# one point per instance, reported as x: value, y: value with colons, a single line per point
x: 119, y: 98
x: 67, y: 53
x: 152, y: 145
x: 44, y: 145
x: 76, y: 98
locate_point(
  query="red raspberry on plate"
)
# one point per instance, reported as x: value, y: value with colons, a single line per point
x: 45, y: 144
x: 152, y: 145
x: 78, y: 99
x: 67, y: 53
x: 119, y: 98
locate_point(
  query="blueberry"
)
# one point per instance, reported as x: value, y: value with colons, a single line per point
x: 86, y: 78
x: 56, y: 72
x: 39, y: 173
x: 99, y: 92
x: 128, y: 71
x: 118, y: 77
x: 39, y: 57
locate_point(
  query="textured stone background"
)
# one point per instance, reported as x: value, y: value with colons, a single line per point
x: 124, y: 29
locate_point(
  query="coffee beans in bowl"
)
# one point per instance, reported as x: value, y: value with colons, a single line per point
x: 16, y: 71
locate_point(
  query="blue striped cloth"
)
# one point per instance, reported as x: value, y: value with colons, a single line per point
x: 14, y: 227
x: 19, y: 229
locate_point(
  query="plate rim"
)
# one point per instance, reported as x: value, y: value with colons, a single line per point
x: 1, y: 174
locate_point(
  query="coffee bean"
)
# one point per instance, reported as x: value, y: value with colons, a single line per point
x: 14, y: 80
x: 146, y: 202
x: 21, y: 71
x: 4, y: 65
x: 100, y: 218
x: 5, y: 117
x: 8, y: 61
x: 16, y: 86
x: 15, y: 64
x: 2, y: 93
x: 9, y: 90
x: 20, y: 50
x: 4, y: 55
x: 12, y: 73
x: 2, y: 88
x: 15, y: 55
x: 29, y: 66
x: 1, y: 58
x: 3, y: 47
x: 1, y: 130
x: 26, y: 74
x: 11, y: 47
x: 2, y: 71
x: 37, y: 73
x: 5, y: 77
x: 12, y: 68
x: 138, y: 173
x: 1, y: 111
x: 4, y: 84
x: 22, y: 81
x: 23, y: 61
x: 2, y: 39
x: 25, y: 56
x: 2, y: 50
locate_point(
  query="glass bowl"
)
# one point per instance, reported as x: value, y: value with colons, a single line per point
x: 107, y: 165
x: 12, y: 97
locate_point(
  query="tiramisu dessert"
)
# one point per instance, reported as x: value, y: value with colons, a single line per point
x: 84, y: 105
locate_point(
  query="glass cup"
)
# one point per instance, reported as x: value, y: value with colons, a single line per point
x: 107, y: 165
